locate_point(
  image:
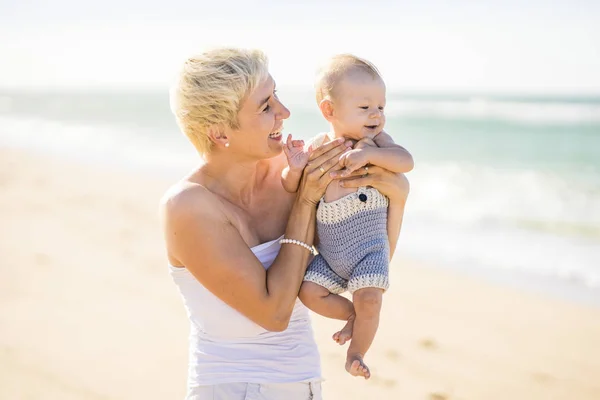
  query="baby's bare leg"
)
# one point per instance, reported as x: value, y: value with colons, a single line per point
x: 367, y: 306
x: 320, y: 300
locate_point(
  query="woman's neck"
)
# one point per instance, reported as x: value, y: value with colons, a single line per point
x: 233, y: 179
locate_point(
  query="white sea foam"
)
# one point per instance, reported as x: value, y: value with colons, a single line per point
x: 475, y: 194
x: 518, y: 218
x: 492, y: 109
x: 167, y: 154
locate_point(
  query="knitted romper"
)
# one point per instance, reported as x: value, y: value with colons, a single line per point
x: 353, y: 243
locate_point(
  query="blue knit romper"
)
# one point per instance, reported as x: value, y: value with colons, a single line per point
x: 353, y: 243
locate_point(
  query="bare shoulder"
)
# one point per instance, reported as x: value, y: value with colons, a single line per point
x: 187, y: 199
x: 188, y: 206
x: 318, y: 140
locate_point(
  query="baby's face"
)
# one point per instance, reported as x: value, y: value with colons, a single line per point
x: 358, y: 106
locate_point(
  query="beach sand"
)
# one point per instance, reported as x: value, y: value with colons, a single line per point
x: 88, y: 310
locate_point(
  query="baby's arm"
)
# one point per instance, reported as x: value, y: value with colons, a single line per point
x: 382, y: 151
x: 389, y: 155
x: 290, y: 179
x: 297, y: 159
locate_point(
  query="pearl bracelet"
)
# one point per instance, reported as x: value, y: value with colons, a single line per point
x: 299, y: 243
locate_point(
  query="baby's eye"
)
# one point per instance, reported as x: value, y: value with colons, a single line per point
x: 364, y: 107
x: 381, y: 108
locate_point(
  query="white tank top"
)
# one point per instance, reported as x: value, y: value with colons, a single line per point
x: 226, y: 347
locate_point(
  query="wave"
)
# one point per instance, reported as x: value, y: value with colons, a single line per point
x: 528, y: 112
x: 565, y: 203
x: 503, y: 250
x: 459, y: 213
x: 151, y: 108
x: 97, y: 143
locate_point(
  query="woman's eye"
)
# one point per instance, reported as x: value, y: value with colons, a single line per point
x: 267, y: 108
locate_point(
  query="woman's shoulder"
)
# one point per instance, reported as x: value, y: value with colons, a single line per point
x: 188, y: 208
x: 187, y: 199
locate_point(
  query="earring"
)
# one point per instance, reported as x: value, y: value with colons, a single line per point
x: 227, y: 144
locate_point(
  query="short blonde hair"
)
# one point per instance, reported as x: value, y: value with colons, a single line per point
x: 210, y: 90
x: 338, y: 67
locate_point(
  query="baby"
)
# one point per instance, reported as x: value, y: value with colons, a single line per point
x: 351, y: 224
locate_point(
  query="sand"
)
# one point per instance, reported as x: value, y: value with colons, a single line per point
x: 88, y: 310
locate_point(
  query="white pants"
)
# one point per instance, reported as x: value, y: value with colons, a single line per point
x: 257, y: 391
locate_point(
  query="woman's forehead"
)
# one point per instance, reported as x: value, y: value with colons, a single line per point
x: 263, y: 91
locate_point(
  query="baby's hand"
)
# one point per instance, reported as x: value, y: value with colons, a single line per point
x: 296, y: 156
x: 354, y: 159
x: 366, y: 142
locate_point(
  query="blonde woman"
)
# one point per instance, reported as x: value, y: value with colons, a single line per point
x: 238, y: 244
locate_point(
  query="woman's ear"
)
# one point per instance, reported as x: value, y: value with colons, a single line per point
x: 217, y: 136
x: 326, y: 107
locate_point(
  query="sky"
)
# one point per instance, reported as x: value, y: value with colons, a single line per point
x: 484, y: 46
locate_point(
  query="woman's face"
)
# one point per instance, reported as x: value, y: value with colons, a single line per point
x: 260, y: 123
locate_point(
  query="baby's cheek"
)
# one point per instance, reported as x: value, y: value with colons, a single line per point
x: 358, y: 125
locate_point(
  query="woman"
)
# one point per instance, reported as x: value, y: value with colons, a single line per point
x: 224, y: 223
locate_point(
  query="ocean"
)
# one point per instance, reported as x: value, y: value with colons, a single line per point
x: 506, y: 187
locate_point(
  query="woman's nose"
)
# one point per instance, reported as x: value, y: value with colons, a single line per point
x: 284, y: 113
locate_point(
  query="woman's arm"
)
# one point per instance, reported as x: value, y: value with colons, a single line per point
x: 395, y: 186
x: 200, y: 236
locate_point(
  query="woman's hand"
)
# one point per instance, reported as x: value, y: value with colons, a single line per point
x: 317, y: 175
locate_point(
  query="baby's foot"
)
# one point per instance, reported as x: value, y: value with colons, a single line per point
x: 356, y: 367
x: 345, y: 334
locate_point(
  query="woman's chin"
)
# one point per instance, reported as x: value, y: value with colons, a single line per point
x: 275, y: 148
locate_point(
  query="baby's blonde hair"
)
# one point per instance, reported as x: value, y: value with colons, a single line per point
x: 210, y: 90
x: 338, y: 67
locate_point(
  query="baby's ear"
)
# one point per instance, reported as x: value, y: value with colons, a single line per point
x: 326, y: 107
